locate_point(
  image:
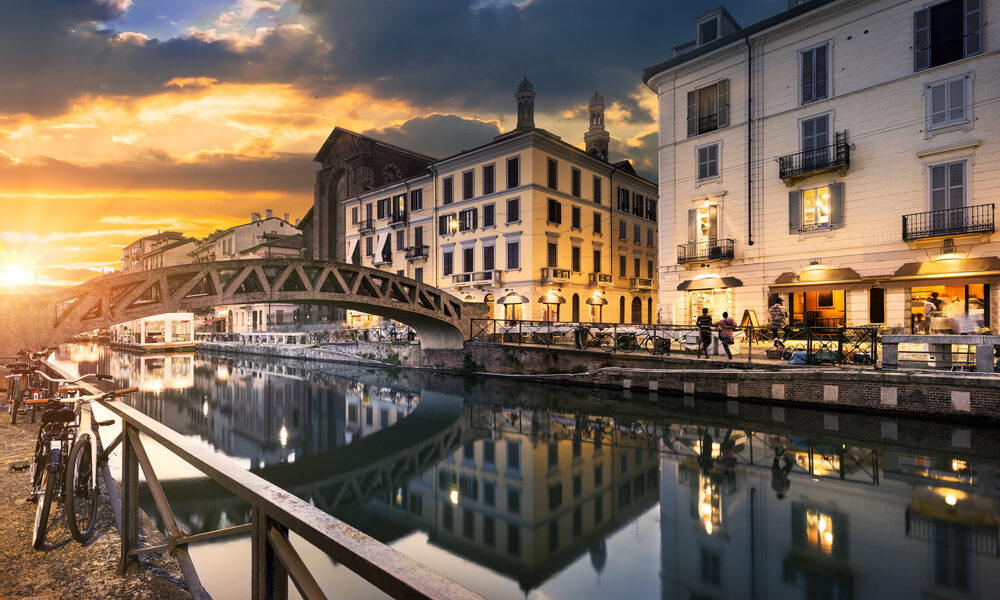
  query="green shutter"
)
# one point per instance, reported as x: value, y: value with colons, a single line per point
x: 794, y: 211
x: 692, y: 117
x: 837, y: 204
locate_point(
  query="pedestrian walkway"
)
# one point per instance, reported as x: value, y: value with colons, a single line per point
x: 65, y: 569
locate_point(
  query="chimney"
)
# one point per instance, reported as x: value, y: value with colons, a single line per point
x: 286, y: 217
x: 297, y: 221
x: 254, y: 217
x: 268, y: 214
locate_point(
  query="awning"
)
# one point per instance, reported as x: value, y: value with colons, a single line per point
x: 709, y: 283
x: 818, y: 280
x: 598, y: 301
x: 383, y: 239
x: 513, y: 298
x: 972, y: 270
x: 552, y: 298
x: 352, y: 245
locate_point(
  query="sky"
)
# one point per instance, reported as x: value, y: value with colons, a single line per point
x: 122, y: 118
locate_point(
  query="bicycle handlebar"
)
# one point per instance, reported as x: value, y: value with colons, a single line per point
x: 98, y: 376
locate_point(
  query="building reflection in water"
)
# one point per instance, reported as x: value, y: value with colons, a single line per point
x: 747, y: 509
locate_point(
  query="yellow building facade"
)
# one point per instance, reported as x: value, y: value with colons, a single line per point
x: 536, y: 227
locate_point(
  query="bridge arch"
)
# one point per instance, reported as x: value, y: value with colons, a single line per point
x: 441, y: 320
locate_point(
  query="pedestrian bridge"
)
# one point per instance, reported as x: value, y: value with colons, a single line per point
x: 34, y: 321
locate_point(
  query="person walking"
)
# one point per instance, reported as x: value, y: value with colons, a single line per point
x: 726, y: 325
x: 704, y: 323
x: 778, y: 320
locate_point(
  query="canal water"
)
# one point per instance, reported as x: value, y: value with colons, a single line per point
x: 519, y: 490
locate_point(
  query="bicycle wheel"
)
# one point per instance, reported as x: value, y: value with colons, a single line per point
x: 49, y: 484
x: 627, y: 343
x: 82, y: 492
x: 14, y: 398
x: 606, y: 341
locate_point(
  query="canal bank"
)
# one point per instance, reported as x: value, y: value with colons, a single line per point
x: 915, y: 393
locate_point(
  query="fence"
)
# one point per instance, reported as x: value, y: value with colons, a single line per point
x: 813, y: 345
x: 275, y: 514
x: 942, y: 352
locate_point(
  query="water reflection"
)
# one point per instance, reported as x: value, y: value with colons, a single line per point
x: 517, y: 493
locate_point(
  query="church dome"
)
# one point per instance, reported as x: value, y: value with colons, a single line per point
x: 525, y: 86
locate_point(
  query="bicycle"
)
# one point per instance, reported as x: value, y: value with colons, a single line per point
x: 624, y: 341
x: 23, y: 381
x: 73, y: 478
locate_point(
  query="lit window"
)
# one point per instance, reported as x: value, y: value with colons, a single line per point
x: 816, y: 208
x: 819, y: 531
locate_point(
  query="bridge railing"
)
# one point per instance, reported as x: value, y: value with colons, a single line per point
x: 813, y: 345
x: 275, y: 513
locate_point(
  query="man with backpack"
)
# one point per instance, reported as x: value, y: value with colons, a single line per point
x: 704, y: 323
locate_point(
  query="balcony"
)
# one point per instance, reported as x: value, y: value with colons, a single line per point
x: 461, y: 279
x: 382, y: 259
x: 553, y: 275
x: 640, y: 284
x: 487, y: 278
x: 818, y: 160
x: 705, y: 251
x: 366, y: 225
x: 600, y: 280
x: 948, y: 222
x: 397, y: 220
x: 416, y: 253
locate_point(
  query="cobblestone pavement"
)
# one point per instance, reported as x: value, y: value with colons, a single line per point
x: 64, y: 568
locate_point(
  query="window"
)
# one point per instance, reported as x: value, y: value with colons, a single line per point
x: 816, y: 141
x: 575, y: 182
x: 576, y: 259
x: 416, y: 199
x: 398, y: 209
x: 597, y: 261
x: 598, y: 509
x: 467, y: 183
x: 400, y: 239
x: 638, y: 204
x: 513, y: 210
x: 468, y: 219
x: 354, y: 215
x: 623, y: 196
x: 813, y: 73
x: 469, y: 451
x: 637, y: 233
x: 708, y: 30
x: 622, y: 267
x: 651, y: 208
x: 447, y: 263
x: 708, y: 108
x: 513, y: 255
x: 488, y: 258
x: 489, y: 179
x: 555, y: 211
x: 553, y: 173
x: 649, y: 269
x: 708, y: 161
x: 703, y: 224
x: 946, y: 32
x: 447, y: 224
x: 649, y: 236
x: 418, y: 274
x: 489, y: 493
x: 636, y: 262
x: 598, y: 476
x: 574, y: 220
x: 622, y: 229
x: 513, y: 172
x: 948, y: 102
x: 552, y: 256
x: 468, y: 259
x: 489, y: 456
x: 369, y: 246
x: 513, y: 455
x: 711, y: 569
x: 382, y: 208
x: 597, y: 223
x: 555, y: 496
x: 947, y: 185
x: 489, y: 531
x: 513, y: 540
x: 418, y: 236
x: 489, y: 215
x: 448, y: 190
x: 816, y: 208
x: 514, y: 500
x: 368, y: 211
x: 597, y: 190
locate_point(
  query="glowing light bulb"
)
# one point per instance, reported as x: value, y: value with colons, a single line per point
x: 283, y: 436
x: 453, y: 496
x: 950, y: 500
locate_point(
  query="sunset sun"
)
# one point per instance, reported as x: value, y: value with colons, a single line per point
x: 15, y: 275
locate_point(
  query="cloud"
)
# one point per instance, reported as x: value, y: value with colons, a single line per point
x: 642, y: 151
x: 438, y: 135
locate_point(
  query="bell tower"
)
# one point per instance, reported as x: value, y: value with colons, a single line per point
x: 525, y: 97
x: 597, y: 137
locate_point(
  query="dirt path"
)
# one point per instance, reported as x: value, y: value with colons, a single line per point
x: 64, y: 568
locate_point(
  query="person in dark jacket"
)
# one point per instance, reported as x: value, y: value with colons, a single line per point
x: 704, y: 323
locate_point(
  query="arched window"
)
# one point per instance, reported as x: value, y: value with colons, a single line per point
x: 576, y: 308
x: 649, y: 311
x: 490, y: 305
x: 621, y: 309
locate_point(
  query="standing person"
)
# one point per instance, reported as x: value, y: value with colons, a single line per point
x: 726, y: 327
x: 929, y: 308
x: 704, y: 323
x: 778, y: 319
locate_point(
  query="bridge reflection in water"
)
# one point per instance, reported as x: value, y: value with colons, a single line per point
x: 488, y: 483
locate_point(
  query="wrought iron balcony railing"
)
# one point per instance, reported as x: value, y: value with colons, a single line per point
x: 817, y: 160
x: 416, y: 253
x: 951, y: 221
x: 366, y: 225
x: 705, y: 251
x: 397, y: 219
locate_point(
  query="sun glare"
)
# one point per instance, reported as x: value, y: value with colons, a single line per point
x: 15, y: 275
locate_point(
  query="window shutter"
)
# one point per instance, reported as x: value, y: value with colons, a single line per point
x: 957, y: 100
x: 937, y: 105
x: 475, y: 218
x: 922, y: 39
x: 820, y: 73
x: 692, y: 121
x: 713, y: 222
x: 794, y: 211
x: 807, y: 76
x: 973, y: 27
x: 442, y: 224
x: 693, y: 225
x: 837, y: 204
x: 723, y: 103
x: 842, y: 537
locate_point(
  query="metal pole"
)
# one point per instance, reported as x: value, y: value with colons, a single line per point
x: 269, y: 580
x: 130, y: 498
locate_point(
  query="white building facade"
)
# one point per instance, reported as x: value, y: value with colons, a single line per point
x: 841, y: 155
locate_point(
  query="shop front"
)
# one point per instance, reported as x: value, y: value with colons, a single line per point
x: 709, y: 291
x: 958, y: 293
x: 816, y: 296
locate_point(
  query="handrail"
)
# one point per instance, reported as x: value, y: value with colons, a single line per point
x: 275, y: 512
x: 837, y: 154
x: 950, y: 221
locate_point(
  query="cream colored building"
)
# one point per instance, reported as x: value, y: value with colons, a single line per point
x: 841, y: 155
x: 532, y: 225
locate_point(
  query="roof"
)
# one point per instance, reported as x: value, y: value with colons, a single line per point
x: 285, y: 241
x: 726, y: 40
x: 172, y: 245
x: 339, y: 131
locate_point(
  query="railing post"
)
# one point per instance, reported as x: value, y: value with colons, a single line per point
x: 840, y: 345
x: 268, y: 579
x: 130, y: 498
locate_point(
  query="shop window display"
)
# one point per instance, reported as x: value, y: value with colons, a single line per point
x: 956, y: 309
x: 716, y: 301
